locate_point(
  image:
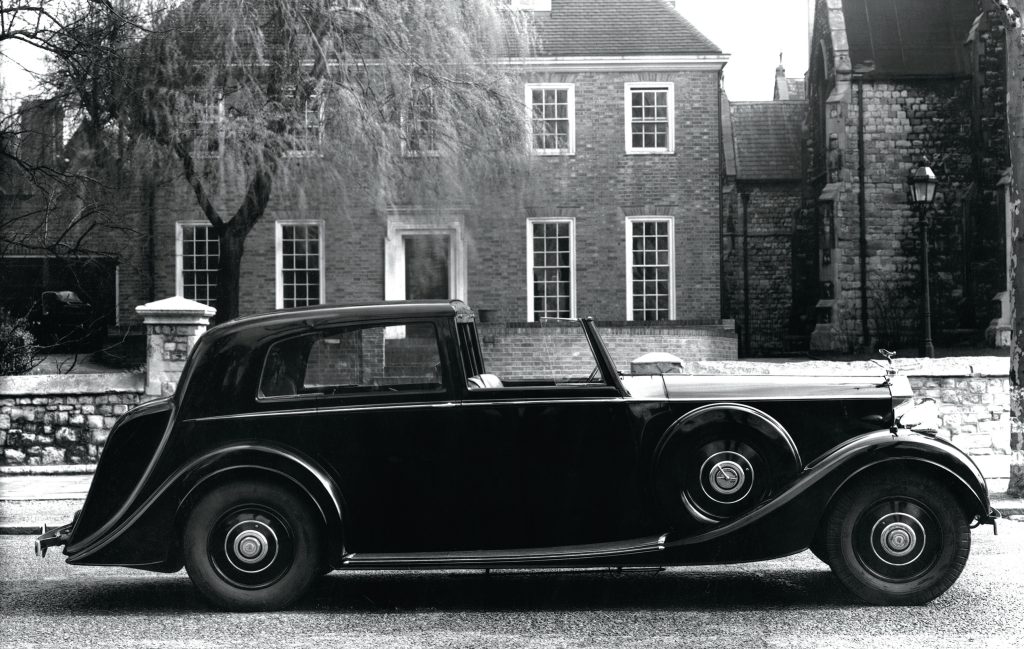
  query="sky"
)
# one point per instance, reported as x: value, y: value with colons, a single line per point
x: 752, y: 32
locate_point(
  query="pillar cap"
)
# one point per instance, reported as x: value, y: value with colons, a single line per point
x: 175, y: 308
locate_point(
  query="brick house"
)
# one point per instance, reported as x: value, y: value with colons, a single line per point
x: 890, y: 83
x: 617, y: 215
x: 617, y: 218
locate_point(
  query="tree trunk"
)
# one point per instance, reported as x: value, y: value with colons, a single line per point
x: 1014, y: 110
x: 232, y: 246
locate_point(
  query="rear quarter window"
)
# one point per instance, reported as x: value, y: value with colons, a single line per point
x: 354, y: 360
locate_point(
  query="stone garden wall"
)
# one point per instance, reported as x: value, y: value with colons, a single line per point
x: 62, y: 418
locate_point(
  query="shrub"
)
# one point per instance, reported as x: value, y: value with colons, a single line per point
x: 17, y: 345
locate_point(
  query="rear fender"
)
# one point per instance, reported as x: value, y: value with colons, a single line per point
x: 271, y: 464
x: 149, y: 536
x: 788, y: 523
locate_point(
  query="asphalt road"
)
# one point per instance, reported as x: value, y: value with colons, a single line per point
x: 793, y: 602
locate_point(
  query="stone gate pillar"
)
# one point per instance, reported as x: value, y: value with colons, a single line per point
x: 172, y: 327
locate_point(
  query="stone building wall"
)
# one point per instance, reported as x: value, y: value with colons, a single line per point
x: 957, y: 122
x: 772, y: 210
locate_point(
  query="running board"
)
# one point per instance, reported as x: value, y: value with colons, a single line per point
x: 582, y: 555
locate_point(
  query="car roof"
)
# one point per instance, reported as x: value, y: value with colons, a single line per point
x: 282, y: 318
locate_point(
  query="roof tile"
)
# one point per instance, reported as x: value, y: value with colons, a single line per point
x: 616, y: 28
x: 767, y: 135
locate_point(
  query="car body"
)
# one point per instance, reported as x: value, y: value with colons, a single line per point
x: 372, y: 437
x: 61, y: 320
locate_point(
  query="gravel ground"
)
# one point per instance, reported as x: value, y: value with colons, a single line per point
x: 791, y: 602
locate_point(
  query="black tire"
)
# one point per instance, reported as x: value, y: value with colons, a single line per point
x: 253, y: 546
x: 897, y: 539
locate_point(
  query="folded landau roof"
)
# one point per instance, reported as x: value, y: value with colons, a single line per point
x: 616, y: 28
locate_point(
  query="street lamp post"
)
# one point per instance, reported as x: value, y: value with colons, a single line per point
x: 922, y: 184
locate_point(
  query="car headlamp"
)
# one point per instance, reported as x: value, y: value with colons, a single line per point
x: 921, y: 416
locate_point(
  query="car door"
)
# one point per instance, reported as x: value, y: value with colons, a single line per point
x: 549, y: 461
x: 384, y: 405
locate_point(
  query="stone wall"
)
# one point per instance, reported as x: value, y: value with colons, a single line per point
x: 62, y: 419
x: 772, y: 208
x: 958, y: 123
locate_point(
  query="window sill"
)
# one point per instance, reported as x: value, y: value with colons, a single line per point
x: 650, y: 152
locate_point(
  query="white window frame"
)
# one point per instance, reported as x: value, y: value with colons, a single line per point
x: 530, y: 311
x: 570, y: 99
x: 630, y: 220
x: 279, y: 259
x: 210, y: 125
x: 313, y: 144
x: 394, y: 253
x: 179, y: 253
x: 631, y: 87
x: 408, y: 119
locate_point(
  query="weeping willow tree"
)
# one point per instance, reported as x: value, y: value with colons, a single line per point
x: 257, y: 97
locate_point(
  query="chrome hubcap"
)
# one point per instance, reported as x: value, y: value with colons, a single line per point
x: 727, y: 477
x: 251, y: 546
x: 898, y: 539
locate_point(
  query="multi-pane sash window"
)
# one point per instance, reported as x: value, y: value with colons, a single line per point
x: 198, y: 257
x: 209, y: 130
x: 420, y: 125
x: 649, y: 282
x: 649, y: 118
x: 306, y: 133
x: 299, y: 264
x: 552, y: 117
x: 550, y: 249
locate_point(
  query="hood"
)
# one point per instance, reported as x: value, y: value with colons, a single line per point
x: 763, y: 387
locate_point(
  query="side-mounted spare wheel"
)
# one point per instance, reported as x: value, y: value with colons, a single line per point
x: 253, y: 546
x: 719, y: 463
x: 897, y: 539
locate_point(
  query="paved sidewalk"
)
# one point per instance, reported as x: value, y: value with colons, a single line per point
x: 28, y: 501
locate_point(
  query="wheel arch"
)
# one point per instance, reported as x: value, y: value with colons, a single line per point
x: 969, y: 498
x: 330, y: 517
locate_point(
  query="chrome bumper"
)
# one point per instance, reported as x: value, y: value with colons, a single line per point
x: 50, y: 538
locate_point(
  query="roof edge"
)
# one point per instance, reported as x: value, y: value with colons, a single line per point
x: 634, y: 63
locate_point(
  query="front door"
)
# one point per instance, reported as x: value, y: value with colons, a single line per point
x: 427, y: 266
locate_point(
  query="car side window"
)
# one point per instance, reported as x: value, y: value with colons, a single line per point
x: 355, y: 360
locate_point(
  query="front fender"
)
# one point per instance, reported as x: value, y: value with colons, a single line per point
x: 148, y: 536
x: 788, y: 523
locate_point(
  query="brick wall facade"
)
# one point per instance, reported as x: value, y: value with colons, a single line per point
x: 525, y: 350
x: 599, y: 187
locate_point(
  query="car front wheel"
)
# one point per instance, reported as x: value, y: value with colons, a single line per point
x: 897, y: 540
x: 253, y: 546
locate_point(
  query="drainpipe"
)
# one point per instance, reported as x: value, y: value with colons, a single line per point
x: 746, y: 276
x: 858, y: 75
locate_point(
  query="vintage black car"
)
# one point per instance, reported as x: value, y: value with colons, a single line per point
x: 372, y: 437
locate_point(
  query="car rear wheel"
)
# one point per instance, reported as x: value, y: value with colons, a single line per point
x: 253, y: 546
x: 897, y: 539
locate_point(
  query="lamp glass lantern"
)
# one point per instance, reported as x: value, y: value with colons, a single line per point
x: 922, y: 183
